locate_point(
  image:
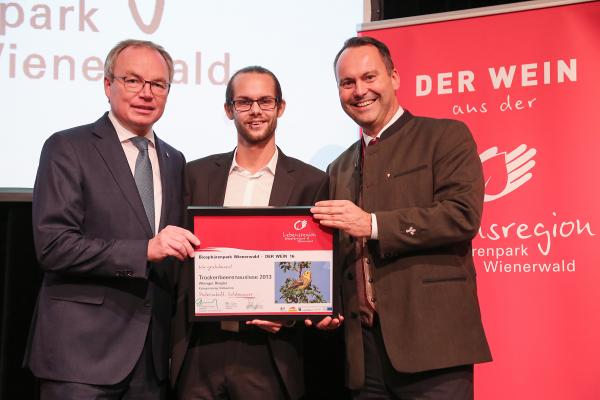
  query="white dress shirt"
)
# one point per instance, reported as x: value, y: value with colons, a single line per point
x: 248, y: 189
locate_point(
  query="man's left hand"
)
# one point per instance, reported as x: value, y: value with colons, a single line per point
x: 269, y: 326
x: 344, y: 215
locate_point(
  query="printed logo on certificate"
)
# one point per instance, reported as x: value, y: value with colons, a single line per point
x: 268, y: 262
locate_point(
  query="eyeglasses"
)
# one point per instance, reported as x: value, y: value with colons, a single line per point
x: 133, y: 84
x: 264, y: 103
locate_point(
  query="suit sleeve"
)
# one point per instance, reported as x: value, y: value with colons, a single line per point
x: 181, y: 280
x: 59, y: 209
x: 322, y: 192
x: 454, y: 214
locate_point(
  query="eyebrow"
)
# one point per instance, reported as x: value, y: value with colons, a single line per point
x: 150, y: 80
x: 344, y: 80
x: 372, y: 71
x: 258, y: 98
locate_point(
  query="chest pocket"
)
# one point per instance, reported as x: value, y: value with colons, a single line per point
x: 408, y: 171
x: 411, y: 178
x: 408, y: 186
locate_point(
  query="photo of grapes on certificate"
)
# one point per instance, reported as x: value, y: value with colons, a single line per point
x: 265, y: 262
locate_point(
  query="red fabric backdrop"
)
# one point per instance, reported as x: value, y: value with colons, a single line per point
x: 527, y: 84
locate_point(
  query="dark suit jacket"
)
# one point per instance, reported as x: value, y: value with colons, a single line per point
x: 91, y: 236
x: 424, y: 183
x: 295, y: 184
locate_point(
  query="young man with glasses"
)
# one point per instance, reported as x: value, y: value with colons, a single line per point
x: 106, y: 202
x: 255, y: 359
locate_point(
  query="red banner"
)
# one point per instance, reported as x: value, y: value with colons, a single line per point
x: 526, y: 83
x: 261, y: 232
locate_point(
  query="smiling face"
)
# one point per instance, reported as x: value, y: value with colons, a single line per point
x: 255, y: 126
x: 367, y: 90
x: 137, y: 111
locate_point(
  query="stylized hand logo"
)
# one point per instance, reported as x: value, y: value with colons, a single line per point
x: 505, y: 172
x: 159, y: 7
x: 300, y: 224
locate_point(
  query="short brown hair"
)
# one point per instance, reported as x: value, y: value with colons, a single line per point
x: 359, y: 41
x: 256, y: 69
x: 109, y: 64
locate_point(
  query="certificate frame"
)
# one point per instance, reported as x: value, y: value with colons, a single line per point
x: 270, y: 263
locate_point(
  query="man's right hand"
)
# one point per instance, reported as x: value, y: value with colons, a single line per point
x: 172, y: 241
x: 327, y: 323
x: 343, y: 215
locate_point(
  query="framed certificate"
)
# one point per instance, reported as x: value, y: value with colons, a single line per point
x: 266, y: 263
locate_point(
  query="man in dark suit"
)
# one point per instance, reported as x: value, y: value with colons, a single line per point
x: 257, y: 359
x: 407, y: 209
x: 106, y: 199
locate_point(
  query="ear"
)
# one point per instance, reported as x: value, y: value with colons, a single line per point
x: 395, y: 79
x: 107, y: 87
x: 280, y: 108
x: 228, y: 110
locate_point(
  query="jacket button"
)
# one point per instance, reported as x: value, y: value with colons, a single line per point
x: 370, y: 280
x: 350, y: 276
x: 373, y: 299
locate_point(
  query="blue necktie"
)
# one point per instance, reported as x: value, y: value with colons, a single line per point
x: 143, y: 177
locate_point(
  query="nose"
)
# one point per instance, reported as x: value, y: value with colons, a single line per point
x: 255, y: 108
x: 360, y: 89
x: 146, y: 90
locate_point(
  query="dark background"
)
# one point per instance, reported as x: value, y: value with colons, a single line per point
x: 20, y: 275
x: 389, y: 9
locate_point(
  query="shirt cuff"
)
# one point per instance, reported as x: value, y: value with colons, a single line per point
x: 374, y: 232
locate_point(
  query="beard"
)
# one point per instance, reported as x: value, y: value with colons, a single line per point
x: 259, y: 136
